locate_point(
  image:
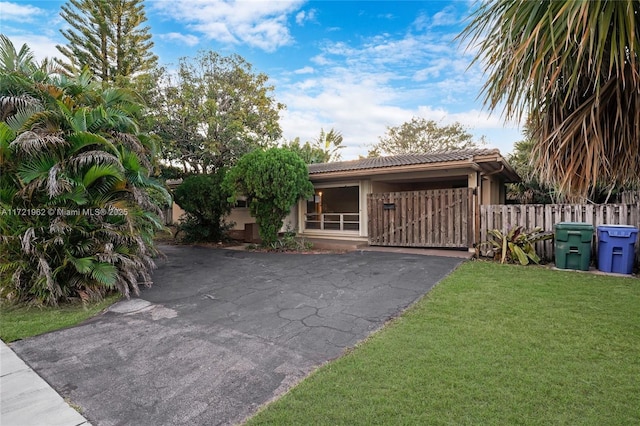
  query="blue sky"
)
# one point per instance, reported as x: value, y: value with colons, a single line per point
x: 355, y: 66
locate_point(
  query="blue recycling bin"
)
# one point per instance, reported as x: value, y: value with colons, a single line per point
x: 616, y: 248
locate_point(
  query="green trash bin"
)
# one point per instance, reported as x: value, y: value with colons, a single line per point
x: 573, y: 245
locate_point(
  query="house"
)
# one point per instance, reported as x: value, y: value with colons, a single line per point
x: 427, y: 200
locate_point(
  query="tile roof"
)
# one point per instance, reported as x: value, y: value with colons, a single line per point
x: 400, y: 160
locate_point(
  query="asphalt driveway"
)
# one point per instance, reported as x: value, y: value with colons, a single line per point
x: 222, y: 332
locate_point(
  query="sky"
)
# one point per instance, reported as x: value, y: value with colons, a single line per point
x: 358, y: 67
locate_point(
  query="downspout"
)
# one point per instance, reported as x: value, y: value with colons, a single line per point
x: 477, y: 215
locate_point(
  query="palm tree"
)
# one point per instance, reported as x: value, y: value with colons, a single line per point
x: 573, y: 68
x: 331, y: 143
x: 75, y: 181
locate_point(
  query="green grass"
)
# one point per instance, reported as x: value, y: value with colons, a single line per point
x: 20, y: 322
x: 490, y: 345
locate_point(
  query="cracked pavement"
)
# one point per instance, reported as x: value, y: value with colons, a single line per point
x: 222, y: 332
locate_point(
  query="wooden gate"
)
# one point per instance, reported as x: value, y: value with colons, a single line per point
x: 439, y: 218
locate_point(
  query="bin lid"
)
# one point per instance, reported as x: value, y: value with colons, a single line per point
x: 574, y: 226
x: 618, y: 230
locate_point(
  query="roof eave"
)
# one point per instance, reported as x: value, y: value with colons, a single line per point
x: 460, y: 164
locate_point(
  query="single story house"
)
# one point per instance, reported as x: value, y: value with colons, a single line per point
x: 414, y: 200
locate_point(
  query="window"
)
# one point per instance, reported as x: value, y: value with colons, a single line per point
x: 334, y: 209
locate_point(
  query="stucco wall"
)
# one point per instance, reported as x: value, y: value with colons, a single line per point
x: 492, y: 191
x: 241, y: 216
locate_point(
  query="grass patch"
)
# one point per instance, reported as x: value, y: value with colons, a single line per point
x: 20, y: 322
x: 493, y: 345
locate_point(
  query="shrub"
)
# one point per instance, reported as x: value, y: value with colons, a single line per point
x: 516, y: 244
x: 205, y: 203
x: 273, y: 181
x: 289, y: 242
x: 77, y: 219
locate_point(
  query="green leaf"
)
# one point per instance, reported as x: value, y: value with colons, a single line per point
x: 83, y: 265
x: 104, y: 273
x: 82, y: 139
x: 519, y: 253
x: 98, y: 171
x: 36, y: 168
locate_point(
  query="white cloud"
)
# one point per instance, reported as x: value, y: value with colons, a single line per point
x: 305, y: 70
x: 188, y: 39
x: 441, y: 66
x: 306, y: 16
x: 320, y: 60
x: 445, y: 17
x: 261, y: 24
x: 358, y: 105
x: 18, y: 12
x: 360, y: 90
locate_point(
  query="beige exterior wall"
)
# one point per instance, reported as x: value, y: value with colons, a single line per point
x: 240, y: 216
x: 176, y: 213
x: 492, y: 191
x: 453, y: 182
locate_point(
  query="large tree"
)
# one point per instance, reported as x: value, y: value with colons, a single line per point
x: 108, y: 37
x: 77, y: 218
x: 573, y: 68
x: 212, y: 111
x: 422, y: 136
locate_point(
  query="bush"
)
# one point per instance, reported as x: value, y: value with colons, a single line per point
x: 273, y: 181
x: 76, y: 220
x: 205, y: 203
x: 516, y: 244
x: 289, y: 242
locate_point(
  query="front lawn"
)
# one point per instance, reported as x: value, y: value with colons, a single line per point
x: 20, y: 322
x: 492, y: 345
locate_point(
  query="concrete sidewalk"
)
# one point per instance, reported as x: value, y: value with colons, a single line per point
x: 27, y: 400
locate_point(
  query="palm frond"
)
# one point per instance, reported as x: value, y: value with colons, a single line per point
x: 11, y: 60
x: 109, y: 173
x: 81, y: 140
x: 56, y: 182
x: 32, y: 143
x: 7, y: 135
x: 36, y: 168
x: 105, y: 273
x: 573, y: 67
x: 10, y: 105
x: 27, y: 240
x: 94, y: 157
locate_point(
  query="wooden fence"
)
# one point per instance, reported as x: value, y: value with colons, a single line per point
x: 438, y: 218
x: 505, y: 217
x: 630, y: 197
